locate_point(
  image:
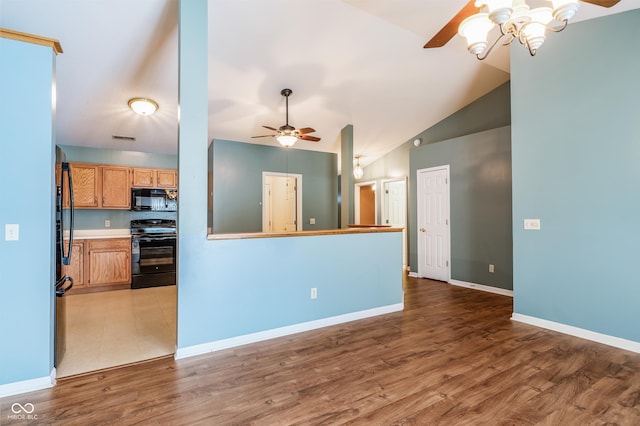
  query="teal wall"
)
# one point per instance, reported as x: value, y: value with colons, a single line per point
x: 576, y: 166
x: 235, y: 287
x: 237, y: 184
x: 27, y: 151
x: 480, y: 204
x: 480, y: 186
x: 120, y: 219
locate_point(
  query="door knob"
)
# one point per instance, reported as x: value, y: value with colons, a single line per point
x: 423, y: 230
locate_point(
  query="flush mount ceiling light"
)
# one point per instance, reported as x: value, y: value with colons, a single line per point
x: 358, y: 172
x: 143, y: 106
x: 515, y: 20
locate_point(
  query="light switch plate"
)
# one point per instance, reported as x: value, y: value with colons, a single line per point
x: 312, y: 221
x: 11, y: 232
x: 532, y: 224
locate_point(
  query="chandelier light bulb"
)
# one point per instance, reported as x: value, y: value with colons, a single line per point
x: 475, y: 29
x: 287, y: 140
x: 563, y: 10
x: 499, y: 10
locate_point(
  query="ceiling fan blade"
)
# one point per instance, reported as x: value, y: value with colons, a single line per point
x: 451, y: 28
x: 263, y: 136
x: 603, y: 3
x: 309, y: 138
x: 270, y: 128
x: 306, y: 130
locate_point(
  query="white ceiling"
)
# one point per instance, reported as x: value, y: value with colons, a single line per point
x: 357, y: 62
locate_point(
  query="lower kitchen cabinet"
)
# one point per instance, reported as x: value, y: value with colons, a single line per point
x: 109, y: 261
x: 97, y: 264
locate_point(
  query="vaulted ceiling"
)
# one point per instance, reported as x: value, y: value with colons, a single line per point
x: 357, y: 62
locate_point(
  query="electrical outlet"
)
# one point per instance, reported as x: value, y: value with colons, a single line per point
x: 107, y: 223
x: 491, y: 268
x: 312, y: 221
x: 532, y: 224
x: 314, y: 293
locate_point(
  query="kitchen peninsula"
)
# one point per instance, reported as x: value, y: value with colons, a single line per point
x: 287, y: 283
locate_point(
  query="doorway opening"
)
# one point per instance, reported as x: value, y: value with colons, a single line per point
x: 365, y: 202
x: 281, y: 202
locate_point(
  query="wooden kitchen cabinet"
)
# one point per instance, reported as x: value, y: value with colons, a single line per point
x: 108, y: 261
x: 155, y: 178
x: 75, y: 269
x: 116, y: 191
x: 167, y: 178
x: 86, y: 182
x: 143, y: 178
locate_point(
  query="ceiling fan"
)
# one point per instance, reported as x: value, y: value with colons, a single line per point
x: 286, y: 134
x: 513, y: 18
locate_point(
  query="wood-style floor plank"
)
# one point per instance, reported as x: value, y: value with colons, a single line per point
x: 453, y: 356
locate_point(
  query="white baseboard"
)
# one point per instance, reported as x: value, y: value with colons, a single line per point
x: 616, y: 342
x: 413, y: 274
x: 283, y: 331
x: 28, y: 385
x: 482, y: 287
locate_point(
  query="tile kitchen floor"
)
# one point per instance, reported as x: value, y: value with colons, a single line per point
x: 118, y: 327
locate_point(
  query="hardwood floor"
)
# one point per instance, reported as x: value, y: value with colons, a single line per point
x: 452, y: 356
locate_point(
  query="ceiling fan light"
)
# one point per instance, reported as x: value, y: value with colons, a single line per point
x: 286, y: 140
x: 475, y: 29
x: 143, y: 106
x: 563, y: 10
x: 499, y: 10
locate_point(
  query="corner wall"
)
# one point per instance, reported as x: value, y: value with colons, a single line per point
x: 576, y: 157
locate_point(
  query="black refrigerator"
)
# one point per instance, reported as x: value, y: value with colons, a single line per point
x: 64, y: 245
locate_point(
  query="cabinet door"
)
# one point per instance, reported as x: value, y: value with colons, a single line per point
x: 109, y: 262
x: 167, y: 178
x: 144, y: 178
x: 85, y: 178
x: 116, y: 192
x: 75, y: 269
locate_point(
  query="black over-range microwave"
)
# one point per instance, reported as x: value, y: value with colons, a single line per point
x: 161, y: 200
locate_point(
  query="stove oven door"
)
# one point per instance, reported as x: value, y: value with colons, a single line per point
x: 153, y: 261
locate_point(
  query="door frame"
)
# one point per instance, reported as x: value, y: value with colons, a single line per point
x: 356, y: 200
x: 447, y: 168
x: 405, y: 231
x: 298, y: 178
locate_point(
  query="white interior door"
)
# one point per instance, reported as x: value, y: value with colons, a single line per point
x: 394, y: 209
x: 433, y: 223
x: 280, y: 202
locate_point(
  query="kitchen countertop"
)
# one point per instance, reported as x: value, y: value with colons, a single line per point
x: 85, y: 234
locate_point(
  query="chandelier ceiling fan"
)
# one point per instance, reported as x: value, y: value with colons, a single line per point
x: 515, y: 20
x: 286, y: 134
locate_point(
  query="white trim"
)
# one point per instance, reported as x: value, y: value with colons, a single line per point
x: 356, y: 201
x: 616, y: 342
x: 413, y: 274
x: 482, y: 287
x: 30, y: 385
x: 283, y: 331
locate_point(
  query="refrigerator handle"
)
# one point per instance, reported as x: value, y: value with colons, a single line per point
x: 66, y: 259
x: 61, y: 291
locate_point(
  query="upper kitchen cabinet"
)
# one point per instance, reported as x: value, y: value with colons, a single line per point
x: 86, y: 181
x: 116, y: 192
x: 155, y: 178
x: 143, y: 178
x: 167, y: 178
x: 98, y: 186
